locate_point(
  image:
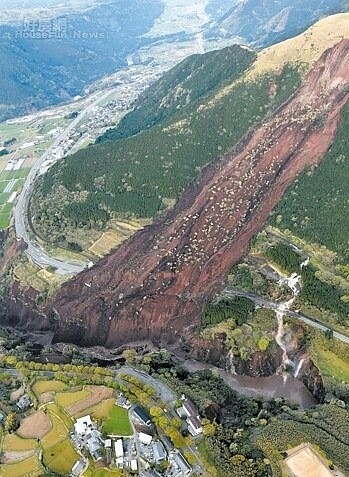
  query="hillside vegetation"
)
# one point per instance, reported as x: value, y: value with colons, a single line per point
x: 316, y: 206
x: 191, y: 79
x: 141, y: 175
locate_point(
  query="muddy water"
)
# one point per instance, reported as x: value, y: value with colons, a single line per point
x: 285, y: 386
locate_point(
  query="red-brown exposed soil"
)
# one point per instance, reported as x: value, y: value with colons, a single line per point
x: 155, y: 284
x: 153, y: 287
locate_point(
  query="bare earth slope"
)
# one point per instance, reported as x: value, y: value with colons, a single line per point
x: 155, y: 284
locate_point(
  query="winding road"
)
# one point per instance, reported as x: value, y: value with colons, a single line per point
x: 34, y: 250
x: 265, y: 303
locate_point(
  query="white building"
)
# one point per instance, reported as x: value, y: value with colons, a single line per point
x: 119, y: 453
x: 82, y: 425
x: 145, y: 438
x: 193, y: 418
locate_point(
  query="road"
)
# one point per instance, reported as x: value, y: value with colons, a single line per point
x: 34, y: 251
x: 166, y: 395
x: 265, y: 303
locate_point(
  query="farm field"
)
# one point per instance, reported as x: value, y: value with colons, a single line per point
x: 10, y: 183
x: 42, y: 387
x: 60, y: 457
x: 35, y: 426
x: 67, y: 399
x: 99, y: 411
x: 96, y: 395
x: 28, y: 467
x: 14, y: 443
x: 47, y: 430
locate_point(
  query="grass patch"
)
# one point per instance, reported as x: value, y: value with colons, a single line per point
x: 12, y: 442
x: 202, y: 448
x: 20, y: 174
x: 331, y: 365
x: 48, y: 386
x: 117, y: 423
x: 28, y: 467
x: 67, y: 399
x: 4, y: 220
x: 61, y: 457
x: 92, y: 471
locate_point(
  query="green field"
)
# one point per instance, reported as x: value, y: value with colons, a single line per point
x: 20, y: 174
x: 117, y: 423
x: 4, y: 220
x: 92, y: 471
x: 330, y: 364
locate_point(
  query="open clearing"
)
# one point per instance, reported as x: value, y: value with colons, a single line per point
x: 35, y: 426
x: 305, y: 462
x: 117, y: 423
x: 95, y: 395
x: 331, y: 365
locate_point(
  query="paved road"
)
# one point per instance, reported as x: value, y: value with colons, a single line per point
x: 166, y: 395
x: 265, y: 303
x: 34, y: 251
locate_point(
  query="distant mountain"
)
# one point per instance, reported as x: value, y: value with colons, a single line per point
x: 261, y: 23
x: 37, y: 72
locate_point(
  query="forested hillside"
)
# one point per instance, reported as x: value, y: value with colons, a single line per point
x: 145, y: 173
x: 316, y: 206
x: 182, y: 85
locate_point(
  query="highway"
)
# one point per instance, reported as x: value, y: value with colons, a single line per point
x: 34, y: 250
x: 265, y: 303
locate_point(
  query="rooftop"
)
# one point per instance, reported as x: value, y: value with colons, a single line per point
x: 82, y: 424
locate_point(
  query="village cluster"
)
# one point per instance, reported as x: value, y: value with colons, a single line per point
x: 143, y: 453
